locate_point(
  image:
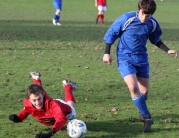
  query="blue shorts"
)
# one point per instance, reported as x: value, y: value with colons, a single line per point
x: 141, y: 70
x: 57, y: 4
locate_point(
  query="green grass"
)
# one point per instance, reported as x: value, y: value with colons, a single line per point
x: 29, y: 41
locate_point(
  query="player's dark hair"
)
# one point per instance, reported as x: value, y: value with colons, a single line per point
x: 148, y: 6
x: 34, y: 89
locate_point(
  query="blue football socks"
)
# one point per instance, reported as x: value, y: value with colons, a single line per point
x: 57, y: 18
x: 140, y: 103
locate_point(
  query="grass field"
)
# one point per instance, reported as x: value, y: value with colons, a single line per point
x: 74, y: 51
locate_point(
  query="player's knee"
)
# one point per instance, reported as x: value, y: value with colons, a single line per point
x: 58, y: 11
x: 100, y: 13
x: 145, y: 94
x: 133, y: 89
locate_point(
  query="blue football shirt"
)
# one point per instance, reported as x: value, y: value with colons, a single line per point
x: 133, y: 36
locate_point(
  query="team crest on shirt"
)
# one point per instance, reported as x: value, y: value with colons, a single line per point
x: 48, y: 119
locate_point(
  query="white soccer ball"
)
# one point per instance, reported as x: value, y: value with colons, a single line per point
x: 76, y: 128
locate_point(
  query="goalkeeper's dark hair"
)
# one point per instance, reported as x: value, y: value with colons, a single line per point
x: 34, y: 89
x: 148, y: 6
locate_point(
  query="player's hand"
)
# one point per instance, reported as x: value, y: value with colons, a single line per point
x: 173, y: 52
x: 14, y: 118
x: 107, y: 59
x: 46, y: 135
x: 42, y: 135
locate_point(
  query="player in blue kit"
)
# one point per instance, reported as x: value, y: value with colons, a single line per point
x: 133, y: 30
x: 58, y: 6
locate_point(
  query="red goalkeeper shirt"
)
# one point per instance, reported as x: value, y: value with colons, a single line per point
x: 53, y: 112
x: 101, y: 3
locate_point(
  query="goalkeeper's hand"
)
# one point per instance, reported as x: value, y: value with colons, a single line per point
x: 46, y: 135
x: 14, y: 118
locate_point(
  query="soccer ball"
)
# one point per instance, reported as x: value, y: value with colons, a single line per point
x: 76, y: 128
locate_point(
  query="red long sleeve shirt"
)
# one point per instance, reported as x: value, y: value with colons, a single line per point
x: 53, y: 112
x: 101, y: 3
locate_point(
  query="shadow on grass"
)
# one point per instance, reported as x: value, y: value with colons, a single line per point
x: 33, y: 30
x: 114, y: 129
x: 132, y: 127
x: 45, y: 30
x: 125, y: 128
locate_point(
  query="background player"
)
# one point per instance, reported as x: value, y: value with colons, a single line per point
x: 102, y: 7
x: 58, y: 6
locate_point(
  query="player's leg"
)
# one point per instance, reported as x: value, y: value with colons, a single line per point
x: 69, y: 86
x: 102, y: 17
x: 58, y: 7
x: 137, y: 97
x: 139, y: 100
x: 36, y: 77
x: 128, y: 72
x: 102, y: 14
x: 143, y: 84
x: 98, y: 14
x: 57, y: 16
